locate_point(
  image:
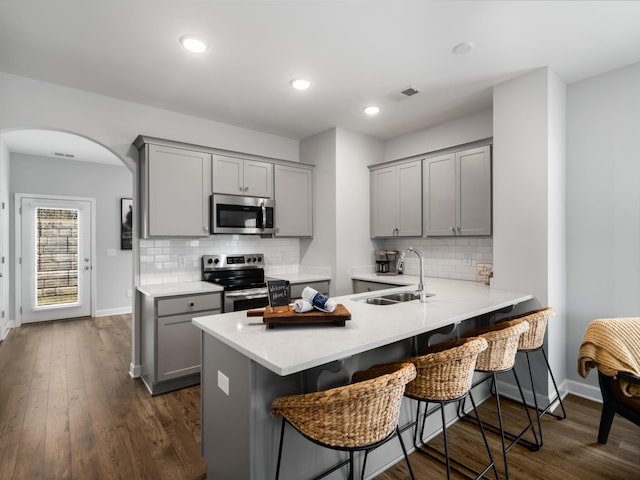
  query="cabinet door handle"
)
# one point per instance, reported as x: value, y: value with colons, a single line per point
x: 452, y: 228
x: 192, y: 304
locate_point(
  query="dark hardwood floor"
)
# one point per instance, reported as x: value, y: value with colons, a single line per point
x: 68, y: 409
x: 570, y: 450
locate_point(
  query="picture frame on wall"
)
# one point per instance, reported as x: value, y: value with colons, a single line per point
x: 126, y: 223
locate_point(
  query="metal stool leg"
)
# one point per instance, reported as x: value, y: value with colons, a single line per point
x: 280, y: 450
x: 501, y: 426
x: 535, y: 399
x: 404, y: 451
x: 555, y: 386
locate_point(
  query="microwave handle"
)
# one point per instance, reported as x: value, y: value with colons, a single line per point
x: 264, y: 215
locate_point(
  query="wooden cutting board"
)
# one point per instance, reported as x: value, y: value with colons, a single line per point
x: 339, y: 316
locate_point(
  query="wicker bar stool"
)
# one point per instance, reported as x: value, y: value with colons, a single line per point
x: 444, y: 375
x: 533, y: 341
x: 499, y: 357
x: 356, y: 417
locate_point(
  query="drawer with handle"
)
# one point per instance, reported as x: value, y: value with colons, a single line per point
x: 189, y: 303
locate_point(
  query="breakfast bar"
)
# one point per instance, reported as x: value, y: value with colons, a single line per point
x: 245, y: 366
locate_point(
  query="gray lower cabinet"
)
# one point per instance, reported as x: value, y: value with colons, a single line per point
x: 170, y: 351
x: 296, y: 288
x: 364, y: 286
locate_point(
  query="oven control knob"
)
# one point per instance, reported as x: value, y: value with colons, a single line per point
x: 210, y: 261
x: 259, y: 259
x: 216, y: 261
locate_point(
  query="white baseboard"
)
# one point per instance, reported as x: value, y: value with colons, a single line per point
x: 585, y: 391
x: 113, y: 311
x: 7, y: 328
x: 134, y: 370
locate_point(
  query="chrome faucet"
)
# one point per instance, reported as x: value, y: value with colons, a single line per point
x: 421, y: 290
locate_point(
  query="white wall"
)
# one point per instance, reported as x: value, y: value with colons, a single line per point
x: 107, y: 184
x: 354, y: 152
x: 444, y: 135
x: 5, y: 268
x: 116, y: 123
x: 528, y: 195
x: 320, y: 250
x: 341, y: 203
x: 603, y: 204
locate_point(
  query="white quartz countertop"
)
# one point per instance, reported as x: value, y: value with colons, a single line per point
x: 391, y: 279
x: 289, y: 349
x: 300, y: 277
x: 182, y: 288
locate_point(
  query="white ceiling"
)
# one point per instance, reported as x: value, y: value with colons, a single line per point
x: 355, y: 52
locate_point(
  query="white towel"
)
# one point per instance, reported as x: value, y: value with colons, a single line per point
x: 302, y: 305
x: 318, y: 300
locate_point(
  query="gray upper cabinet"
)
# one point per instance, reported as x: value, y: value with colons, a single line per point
x: 396, y: 200
x: 237, y: 176
x: 175, y: 185
x: 457, y: 195
x: 294, y: 201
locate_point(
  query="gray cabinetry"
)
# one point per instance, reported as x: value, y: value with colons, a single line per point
x: 457, y: 193
x: 170, y: 342
x: 396, y: 200
x: 175, y: 185
x: 364, y: 286
x: 294, y: 201
x: 296, y: 288
x: 237, y: 176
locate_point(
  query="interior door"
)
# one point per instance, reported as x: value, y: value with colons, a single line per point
x: 55, y: 258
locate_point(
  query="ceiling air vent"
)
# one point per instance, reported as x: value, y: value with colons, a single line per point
x: 410, y: 91
x: 66, y: 155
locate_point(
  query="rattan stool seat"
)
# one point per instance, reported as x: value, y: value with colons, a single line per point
x: 357, y: 416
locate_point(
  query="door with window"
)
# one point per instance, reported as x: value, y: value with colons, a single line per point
x: 55, y: 257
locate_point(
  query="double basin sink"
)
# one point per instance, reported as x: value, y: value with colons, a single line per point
x: 394, y: 298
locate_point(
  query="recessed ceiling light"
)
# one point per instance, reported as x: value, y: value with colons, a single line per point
x: 463, y: 48
x: 300, y: 83
x: 193, y: 43
x: 371, y: 109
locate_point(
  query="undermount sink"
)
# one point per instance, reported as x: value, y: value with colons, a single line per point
x: 394, y: 298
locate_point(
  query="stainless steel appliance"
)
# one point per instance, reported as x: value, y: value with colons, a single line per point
x: 241, y: 275
x: 242, y: 215
x: 386, y: 262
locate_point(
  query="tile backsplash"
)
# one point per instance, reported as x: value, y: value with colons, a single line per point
x: 444, y: 257
x: 178, y: 260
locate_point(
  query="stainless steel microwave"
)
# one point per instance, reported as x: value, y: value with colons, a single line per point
x: 242, y: 215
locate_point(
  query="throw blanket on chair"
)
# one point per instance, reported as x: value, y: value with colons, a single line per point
x: 612, y: 345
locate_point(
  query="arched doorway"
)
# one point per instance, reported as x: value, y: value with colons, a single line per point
x: 65, y: 164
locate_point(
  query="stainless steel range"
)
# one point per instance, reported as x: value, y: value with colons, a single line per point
x: 241, y: 275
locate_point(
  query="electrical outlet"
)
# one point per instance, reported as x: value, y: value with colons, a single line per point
x: 129, y: 293
x: 467, y: 259
x: 111, y: 252
x: 484, y: 271
x: 182, y: 261
x: 223, y: 382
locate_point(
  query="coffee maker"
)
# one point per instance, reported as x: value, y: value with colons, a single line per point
x: 386, y: 262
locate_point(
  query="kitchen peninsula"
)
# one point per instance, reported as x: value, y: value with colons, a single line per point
x: 245, y: 366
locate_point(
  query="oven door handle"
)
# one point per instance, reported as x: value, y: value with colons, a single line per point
x: 262, y: 293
